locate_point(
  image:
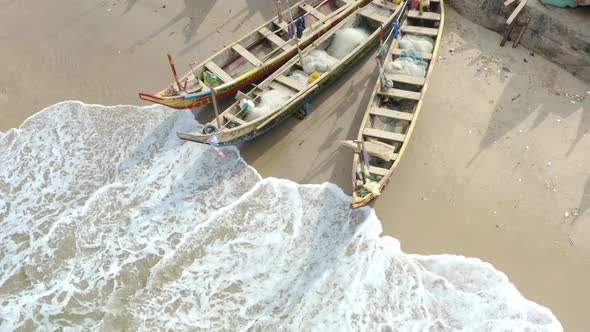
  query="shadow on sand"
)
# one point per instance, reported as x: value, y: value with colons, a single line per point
x: 513, y: 112
x: 194, y: 13
x: 584, y: 204
x: 130, y: 5
x: 253, y: 7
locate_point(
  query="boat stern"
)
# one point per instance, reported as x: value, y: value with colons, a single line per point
x: 196, y: 136
x: 363, y: 194
x: 153, y: 98
x: 358, y: 202
x: 176, y: 102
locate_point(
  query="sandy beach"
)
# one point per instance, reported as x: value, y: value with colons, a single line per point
x: 497, y: 168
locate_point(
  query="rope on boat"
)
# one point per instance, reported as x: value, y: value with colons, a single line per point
x: 395, y: 33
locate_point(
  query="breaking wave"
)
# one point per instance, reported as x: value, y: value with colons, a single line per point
x: 109, y: 222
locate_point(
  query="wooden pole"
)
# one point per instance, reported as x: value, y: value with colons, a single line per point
x: 296, y: 39
x: 509, y: 28
x: 279, y: 11
x: 193, y: 68
x: 363, y: 176
x: 365, y: 154
x: 174, y: 71
x: 215, y: 108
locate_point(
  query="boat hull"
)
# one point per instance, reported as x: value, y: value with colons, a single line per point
x: 255, y: 75
x: 358, y: 200
x: 258, y: 128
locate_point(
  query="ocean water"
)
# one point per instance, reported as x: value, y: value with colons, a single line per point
x: 109, y: 222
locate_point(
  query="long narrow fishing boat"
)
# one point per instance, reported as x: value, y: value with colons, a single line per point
x: 291, y: 87
x: 396, y: 101
x: 255, y: 56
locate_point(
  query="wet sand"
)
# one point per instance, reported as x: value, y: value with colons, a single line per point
x: 496, y: 162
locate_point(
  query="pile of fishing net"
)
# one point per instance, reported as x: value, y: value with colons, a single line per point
x: 269, y: 101
x: 299, y: 76
x: 318, y: 61
x: 409, y: 63
x: 421, y: 44
x: 344, y: 42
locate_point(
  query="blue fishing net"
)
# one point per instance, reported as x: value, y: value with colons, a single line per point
x: 414, y: 56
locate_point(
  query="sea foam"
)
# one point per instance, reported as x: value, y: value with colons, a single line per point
x: 110, y: 222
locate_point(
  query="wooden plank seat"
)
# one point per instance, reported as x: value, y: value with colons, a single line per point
x: 382, y: 134
x: 408, y: 79
x: 278, y: 41
x: 277, y: 86
x: 233, y: 118
x: 379, y: 171
x: 425, y: 15
x: 290, y: 82
x: 220, y: 73
x: 398, y: 52
x: 386, y: 4
x: 373, y: 16
x: 310, y: 9
x: 419, y: 30
x: 247, y: 55
x: 374, y: 148
x: 400, y: 94
x: 282, y: 24
x: 391, y: 114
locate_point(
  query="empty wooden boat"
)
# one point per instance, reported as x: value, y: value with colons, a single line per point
x: 254, y: 56
x: 289, y: 88
x: 396, y: 102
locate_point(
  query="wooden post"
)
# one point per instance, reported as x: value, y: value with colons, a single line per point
x: 512, y: 20
x: 507, y: 33
x: 517, y: 40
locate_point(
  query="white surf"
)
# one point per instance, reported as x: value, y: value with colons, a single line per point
x: 109, y: 222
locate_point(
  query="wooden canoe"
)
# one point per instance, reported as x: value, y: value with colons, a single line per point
x: 236, y: 125
x: 392, y: 113
x: 253, y: 57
